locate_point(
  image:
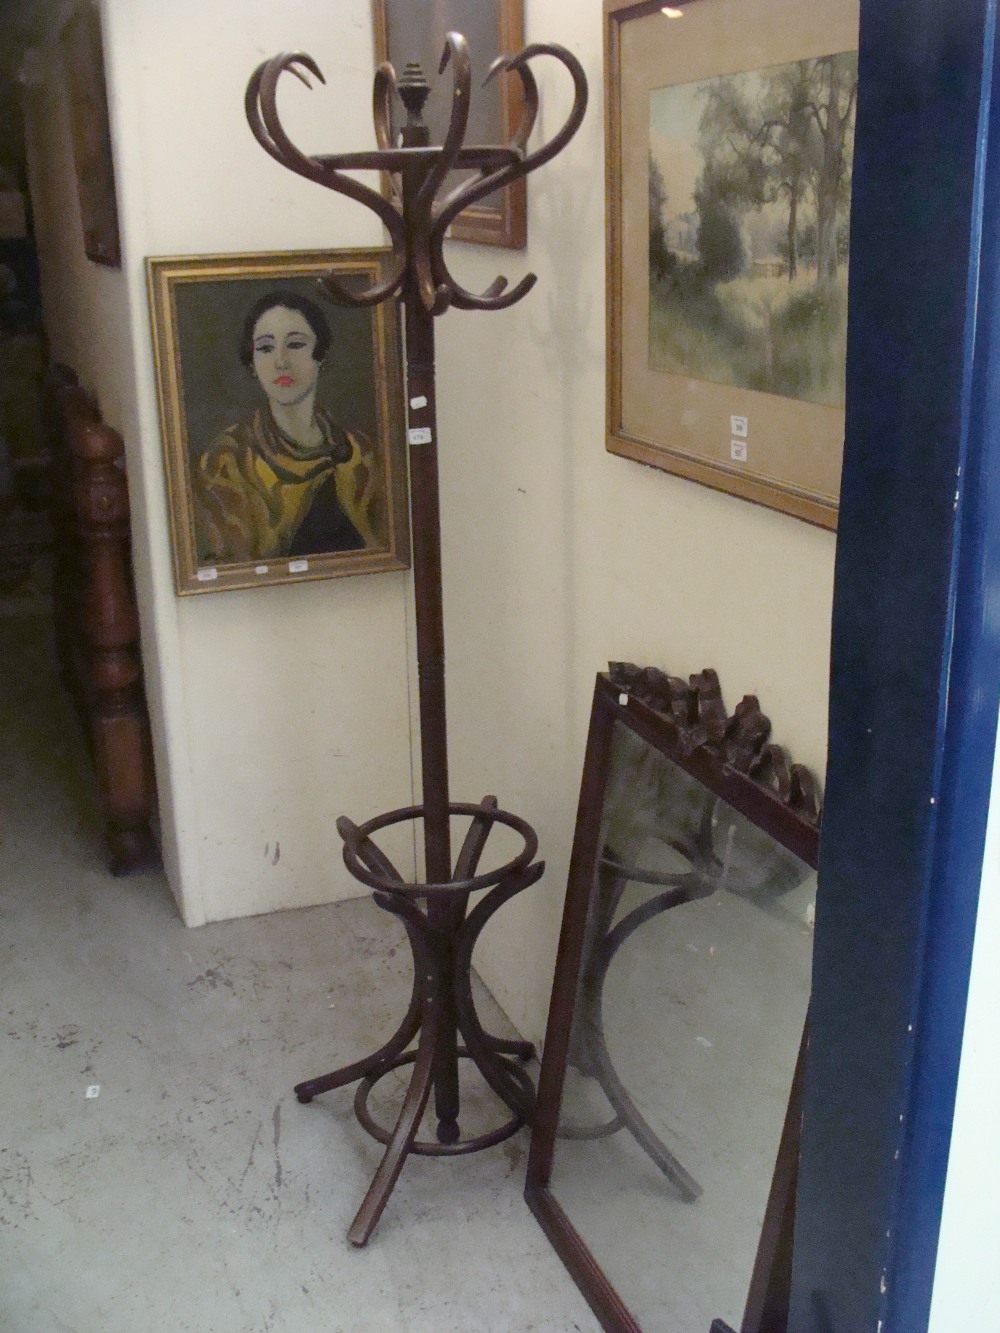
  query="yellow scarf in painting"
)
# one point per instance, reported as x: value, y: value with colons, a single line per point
x: 253, y: 487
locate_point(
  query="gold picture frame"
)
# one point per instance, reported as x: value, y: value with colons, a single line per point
x: 415, y: 30
x: 282, y: 419
x: 727, y: 290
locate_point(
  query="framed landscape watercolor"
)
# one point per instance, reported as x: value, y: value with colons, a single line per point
x: 282, y: 422
x: 729, y: 155
x: 415, y: 30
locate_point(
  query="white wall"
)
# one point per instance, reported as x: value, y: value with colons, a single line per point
x: 274, y: 710
x: 557, y: 556
x: 966, y: 1291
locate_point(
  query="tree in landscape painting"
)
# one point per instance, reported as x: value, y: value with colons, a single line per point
x: 749, y: 199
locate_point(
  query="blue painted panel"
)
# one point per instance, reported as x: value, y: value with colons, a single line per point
x: 915, y: 673
x: 969, y: 745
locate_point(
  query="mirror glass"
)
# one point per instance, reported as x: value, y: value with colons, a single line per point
x: 686, y: 1026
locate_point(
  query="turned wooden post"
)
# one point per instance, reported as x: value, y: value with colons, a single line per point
x: 110, y: 639
x: 64, y: 401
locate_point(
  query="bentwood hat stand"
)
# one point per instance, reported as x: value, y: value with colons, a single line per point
x: 441, y: 933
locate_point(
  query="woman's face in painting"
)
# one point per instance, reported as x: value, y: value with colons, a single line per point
x: 283, y: 345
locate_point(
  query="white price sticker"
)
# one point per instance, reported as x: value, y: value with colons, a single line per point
x: 207, y: 575
x: 738, y: 450
x: 419, y: 435
x: 298, y: 566
x: 739, y: 426
x: 419, y: 401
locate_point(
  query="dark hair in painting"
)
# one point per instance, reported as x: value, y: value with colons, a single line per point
x: 309, y: 310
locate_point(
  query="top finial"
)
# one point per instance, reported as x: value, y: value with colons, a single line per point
x: 413, y: 91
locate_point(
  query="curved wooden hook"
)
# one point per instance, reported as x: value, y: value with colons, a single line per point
x: 252, y: 98
x: 436, y: 296
x: 496, y: 297
x: 324, y: 173
x: 476, y: 190
x: 265, y: 124
x: 529, y: 94
x: 382, y: 94
x: 456, y: 53
x: 574, y: 120
x: 342, y: 295
x: 288, y: 153
x: 517, y: 144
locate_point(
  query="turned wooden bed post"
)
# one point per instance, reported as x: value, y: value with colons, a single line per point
x: 96, y: 622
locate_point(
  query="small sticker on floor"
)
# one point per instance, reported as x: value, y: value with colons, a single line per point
x: 93, y: 1091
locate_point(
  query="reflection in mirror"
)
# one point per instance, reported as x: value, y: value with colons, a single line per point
x: 688, y: 937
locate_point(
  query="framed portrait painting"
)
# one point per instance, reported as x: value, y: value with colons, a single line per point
x: 408, y: 30
x: 282, y: 421
x: 729, y: 155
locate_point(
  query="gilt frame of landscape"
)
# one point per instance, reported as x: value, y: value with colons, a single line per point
x: 781, y: 451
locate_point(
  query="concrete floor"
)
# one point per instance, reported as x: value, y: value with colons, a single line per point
x: 194, y: 1193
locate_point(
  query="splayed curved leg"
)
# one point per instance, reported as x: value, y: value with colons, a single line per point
x: 414, y: 1104
x: 396, y: 1044
x: 508, y: 1081
x: 465, y: 868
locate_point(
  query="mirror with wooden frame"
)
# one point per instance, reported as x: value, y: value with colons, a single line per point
x: 672, y: 1065
x: 415, y: 30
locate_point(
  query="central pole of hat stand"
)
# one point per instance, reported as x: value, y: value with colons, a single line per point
x: 425, y: 516
x: 443, y: 937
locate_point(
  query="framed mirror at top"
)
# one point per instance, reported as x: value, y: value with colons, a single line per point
x: 408, y: 30
x: 665, y: 1145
